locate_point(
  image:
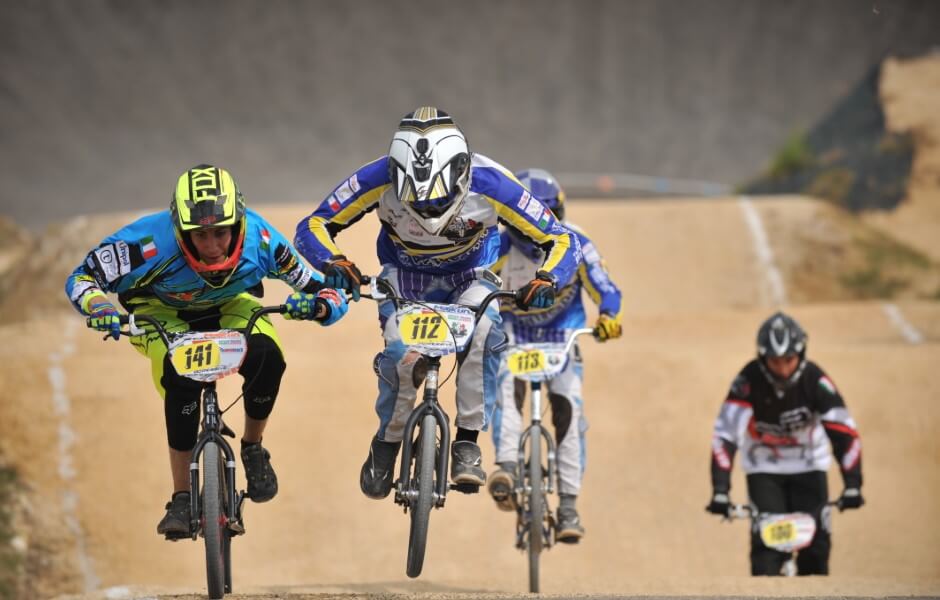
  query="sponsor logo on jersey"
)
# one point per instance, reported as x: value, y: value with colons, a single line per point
x: 148, y: 247
x: 534, y: 210
x: 524, y: 200
x: 113, y: 261
x: 346, y: 191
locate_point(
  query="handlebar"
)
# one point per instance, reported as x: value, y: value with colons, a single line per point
x: 380, y: 289
x: 131, y: 321
x: 746, y: 511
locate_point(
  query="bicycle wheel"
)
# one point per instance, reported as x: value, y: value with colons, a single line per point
x: 213, y: 519
x: 536, y: 505
x: 421, y: 508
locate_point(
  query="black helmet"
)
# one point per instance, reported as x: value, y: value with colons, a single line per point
x: 781, y: 335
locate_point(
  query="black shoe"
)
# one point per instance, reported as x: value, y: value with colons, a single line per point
x: 568, y: 527
x: 262, y: 481
x: 175, y: 523
x: 502, y: 485
x: 465, y: 461
x: 378, y: 472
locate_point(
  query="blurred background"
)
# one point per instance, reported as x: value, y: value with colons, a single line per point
x: 104, y: 103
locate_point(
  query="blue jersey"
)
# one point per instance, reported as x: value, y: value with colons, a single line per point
x: 517, y: 264
x: 142, y: 263
x: 470, y: 240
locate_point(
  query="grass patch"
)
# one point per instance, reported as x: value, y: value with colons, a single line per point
x: 11, y: 561
x: 833, y: 185
x: 794, y: 156
x: 888, y: 264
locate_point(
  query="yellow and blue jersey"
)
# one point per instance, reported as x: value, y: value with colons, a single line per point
x: 142, y: 263
x: 470, y: 240
x: 517, y: 264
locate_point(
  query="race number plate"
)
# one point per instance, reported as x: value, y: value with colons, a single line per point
x: 208, y: 355
x: 787, y: 532
x: 525, y: 362
x: 435, y: 329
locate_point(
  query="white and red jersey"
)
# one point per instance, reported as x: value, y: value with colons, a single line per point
x: 784, y: 432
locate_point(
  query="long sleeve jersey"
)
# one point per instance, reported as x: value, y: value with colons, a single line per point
x: 470, y: 240
x: 517, y: 264
x: 142, y: 263
x: 787, y: 434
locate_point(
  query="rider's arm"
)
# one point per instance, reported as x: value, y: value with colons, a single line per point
x: 729, y: 430
x: 348, y: 203
x: 593, y: 275
x: 115, y: 265
x: 839, y: 426
x: 504, y: 245
x: 280, y: 259
x: 517, y: 208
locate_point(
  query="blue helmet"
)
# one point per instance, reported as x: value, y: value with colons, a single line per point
x: 545, y: 188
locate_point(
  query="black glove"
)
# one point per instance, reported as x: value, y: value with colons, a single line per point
x: 720, y: 504
x: 851, y: 498
x: 538, y: 293
x: 342, y: 274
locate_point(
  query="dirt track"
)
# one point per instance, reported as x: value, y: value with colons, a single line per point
x: 693, y: 296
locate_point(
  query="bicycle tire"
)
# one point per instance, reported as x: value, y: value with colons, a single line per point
x: 213, y: 514
x: 425, y: 459
x: 536, y: 506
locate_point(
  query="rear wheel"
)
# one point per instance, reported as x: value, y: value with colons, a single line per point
x: 214, y: 528
x: 536, y: 505
x: 425, y: 458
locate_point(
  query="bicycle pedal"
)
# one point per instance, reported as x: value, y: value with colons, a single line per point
x: 175, y: 537
x: 465, y: 488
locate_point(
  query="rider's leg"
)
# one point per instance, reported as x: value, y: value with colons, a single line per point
x: 809, y: 492
x: 478, y: 371
x: 262, y: 371
x: 767, y: 492
x: 564, y: 394
x: 507, y: 429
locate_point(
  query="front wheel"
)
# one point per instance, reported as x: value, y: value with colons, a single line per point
x: 536, y: 503
x: 214, y: 518
x: 420, y: 509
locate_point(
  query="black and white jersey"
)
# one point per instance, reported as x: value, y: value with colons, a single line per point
x: 784, y: 432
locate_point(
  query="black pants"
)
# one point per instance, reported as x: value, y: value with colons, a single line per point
x: 801, y: 492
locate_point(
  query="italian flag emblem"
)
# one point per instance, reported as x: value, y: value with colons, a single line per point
x: 826, y: 384
x: 148, y: 248
x: 543, y: 220
x: 265, y: 239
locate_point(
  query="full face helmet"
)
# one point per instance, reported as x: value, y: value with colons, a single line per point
x: 207, y: 196
x: 780, y: 335
x: 429, y: 164
x: 546, y: 189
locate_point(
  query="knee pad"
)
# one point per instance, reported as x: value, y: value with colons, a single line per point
x: 180, y: 407
x: 263, y: 368
x: 386, y: 369
x: 561, y: 415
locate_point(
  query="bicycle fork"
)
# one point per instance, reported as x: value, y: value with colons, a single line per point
x: 405, y: 492
x: 212, y: 430
x: 536, y: 409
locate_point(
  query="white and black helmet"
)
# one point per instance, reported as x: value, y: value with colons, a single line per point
x: 780, y: 335
x: 429, y: 164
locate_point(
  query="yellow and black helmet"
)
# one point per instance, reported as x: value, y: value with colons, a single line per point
x: 207, y: 196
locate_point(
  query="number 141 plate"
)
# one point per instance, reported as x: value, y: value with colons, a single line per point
x: 208, y: 355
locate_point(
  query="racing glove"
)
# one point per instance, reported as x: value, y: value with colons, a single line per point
x: 851, y: 498
x: 538, y: 293
x: 103, y: 316
x: 342, y: 274
x: 607, y: 327
x: 720, y: 504
x: 334, y: 304
x: 302, y: 306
